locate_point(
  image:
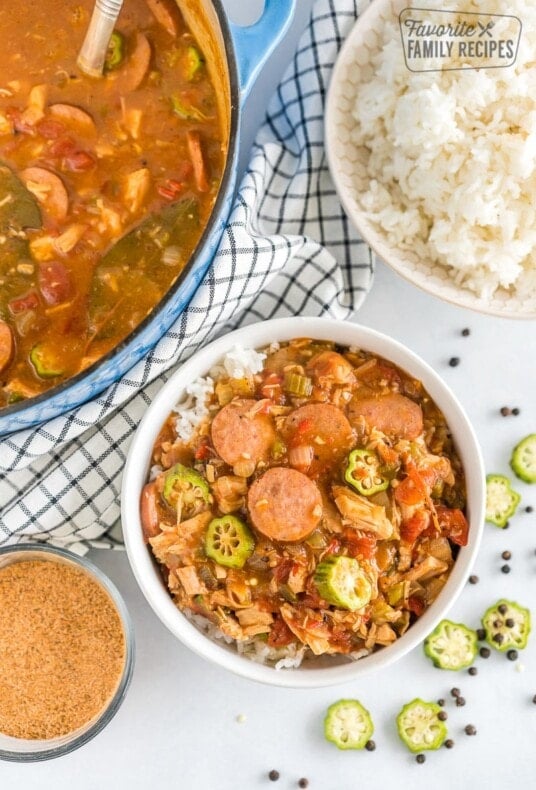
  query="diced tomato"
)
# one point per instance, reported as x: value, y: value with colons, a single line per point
x: 282, y: 571
x: 19, y: 125
x: 54, y: 282
x: 79, y: 161
x: 416, y: 605
x: 271, y: 387
x: 304, y: 425
x: 416, y: 487
x: 280, y: 634
x: 202, y: 453
x: 414, y: 526
x: 167, y: 192
x: 359, y: 544
x: 333, y: 546
x: 21, y: 304
x: 341, y: 638
x: 63, y: 146
x: 50, y: 130
x: 453, y: 525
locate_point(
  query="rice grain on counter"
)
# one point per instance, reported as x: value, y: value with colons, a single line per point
x: 452, y: 162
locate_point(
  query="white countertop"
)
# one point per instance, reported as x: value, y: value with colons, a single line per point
x: 178, y: 726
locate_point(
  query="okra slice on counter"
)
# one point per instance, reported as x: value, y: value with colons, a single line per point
x: 420, y: 727
x: 348, y: 724
x: 501, y: 500
x: 229, y: 542
x: 507, y: 625
x: 451, y: 645
x: 187, y: 489
x: 523, y: 461
x: 342, y: 582
x: 363, y: 472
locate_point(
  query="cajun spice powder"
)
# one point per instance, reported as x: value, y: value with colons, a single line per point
x: 62, y: 649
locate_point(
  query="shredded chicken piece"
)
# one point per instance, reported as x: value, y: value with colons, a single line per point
x: 359, y: 512
x: 190, y: 580
x: 70, y: 238
x: 426, y: 569
x: 230, y: 492
x: 136, y: 187
x: 35, y: 110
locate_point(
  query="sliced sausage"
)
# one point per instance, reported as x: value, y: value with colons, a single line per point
x: 393, y: 414
x: 329, y: 367
x: 150, y: 522
x: 240, y: 433
x: 130, y: 77
x: 74, y: 118
x: 49, y: 190
x: 278, y: 361
x: 6, y: 345
x: 54, y: 282
x: 284, y: 504
x: 166, y: 14
x: 325, y: 428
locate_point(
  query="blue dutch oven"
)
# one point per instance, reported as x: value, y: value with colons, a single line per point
x: 240, y: 52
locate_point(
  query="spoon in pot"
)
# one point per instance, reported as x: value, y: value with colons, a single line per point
x: 93, y: 53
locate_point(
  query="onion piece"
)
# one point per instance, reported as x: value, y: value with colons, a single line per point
x: 301, y: 457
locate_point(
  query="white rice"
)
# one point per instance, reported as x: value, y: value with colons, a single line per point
x: 452, y: 162
x: 238, y: 363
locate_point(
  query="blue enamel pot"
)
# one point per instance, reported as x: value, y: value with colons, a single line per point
x: 239, y: 54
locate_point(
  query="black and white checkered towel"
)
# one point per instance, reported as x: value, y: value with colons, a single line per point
x: 287, y: 250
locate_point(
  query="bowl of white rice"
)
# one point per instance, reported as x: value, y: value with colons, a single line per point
x: 431, y: 142
x: 185, y: 394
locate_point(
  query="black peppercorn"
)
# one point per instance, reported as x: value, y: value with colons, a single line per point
x: 485, y: 652
x: 505, y: 411
x: 466, y: 332
x: 470, y: 729
x: 460, y: 702
x: 454, y: 692
x: 420, y: 759
x: 449, y: 743
x: 473, y: 671
x: 512, y: 655
x: 303, y: 782
x: 370, y: 746
x: 441, y: 702
x: 506, y: 555
x: 505, y: 568
x: 273, y: 776
x: 473, y: 579
x: 529, y: 509
x: 454, y: 362
x: 516, y: 412
x: 442, y: 715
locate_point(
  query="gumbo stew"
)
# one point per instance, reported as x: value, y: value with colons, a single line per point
x: 105, y: 185
x: 306, y: 500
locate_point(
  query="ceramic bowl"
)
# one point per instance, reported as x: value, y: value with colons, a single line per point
x: 329, y: 670
x: 347, y: 163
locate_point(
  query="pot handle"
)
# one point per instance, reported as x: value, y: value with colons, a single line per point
x: 254, y: 44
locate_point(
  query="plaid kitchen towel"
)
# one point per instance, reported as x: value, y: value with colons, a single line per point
x: 287, y: 250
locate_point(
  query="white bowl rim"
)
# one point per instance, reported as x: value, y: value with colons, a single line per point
x: 464, y: 298
x: 138, y: 463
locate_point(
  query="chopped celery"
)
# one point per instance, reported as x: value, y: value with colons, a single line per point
x: 348, y: 724
x: 451, y: 646
x: 194, y: 63
x: 185, y: 111
x: 296, y: 384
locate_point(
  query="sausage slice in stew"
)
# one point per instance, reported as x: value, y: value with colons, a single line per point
x: 393, y: 414
x: 241, y: 433
x: 284, y: 504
